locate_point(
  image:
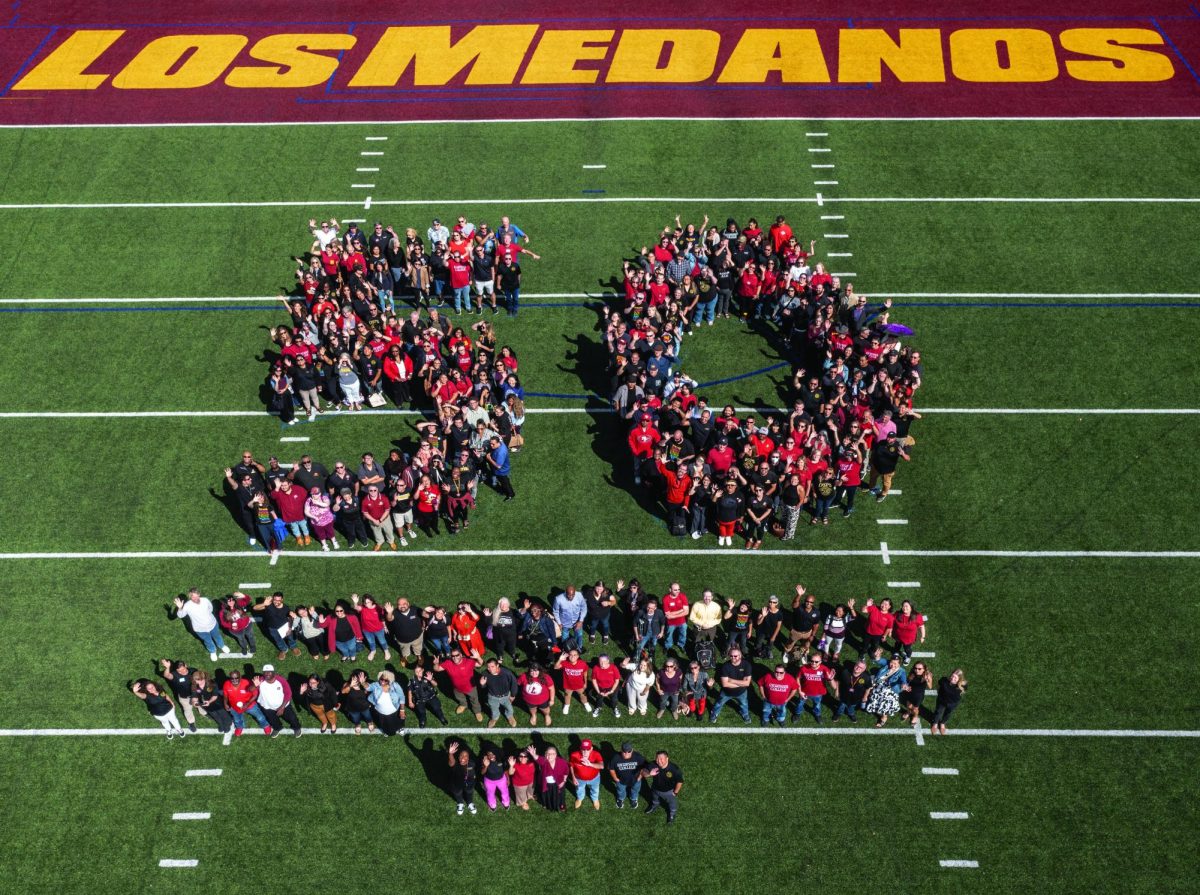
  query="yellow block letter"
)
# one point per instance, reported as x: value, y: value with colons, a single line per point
x: 557, y: 52
x: 197, y: 60
x: 294, y: 65
x: 494, y: 53
x: 915, y: 58
x: 64, y: 68
x: 693, y: 56
x: 793, y: 52
x: 975, y: 55
x: 1121, y: 62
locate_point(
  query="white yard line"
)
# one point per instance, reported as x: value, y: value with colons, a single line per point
x: 825, y: 183
x: 296, y: 438
x: 366, y: 170
x: 177, y: 862
x: 650, y: 730
x: 374, y: 139
x: 817, y: 134
x: 884, y: 553
x: 919, y: 734
x: 204, y: 772
x: 191, y: 815
x: 822, y: 166
x: 948, y: 815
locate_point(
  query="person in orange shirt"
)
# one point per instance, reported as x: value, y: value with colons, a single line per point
x: 464, y: 629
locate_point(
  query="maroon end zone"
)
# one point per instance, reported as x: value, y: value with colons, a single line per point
x: 97, y: 62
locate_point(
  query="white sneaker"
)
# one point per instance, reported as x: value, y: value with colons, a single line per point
x: 412, y: 533
x: 325, y: 546
x: 616, y: 713
x: 224, y: 649
x: 472, y: 809
x: 228, y: 738
x: 695, y: 536
x: 595, y: 713
x: 253, y: 542
x: 212, y: 657
x: 403, y: 542
x: 336, y: 544
x: 566, y: 710
x: 586, y: 707
x: 292, y: 421
x: 637, y: 479
x: 460, y: 810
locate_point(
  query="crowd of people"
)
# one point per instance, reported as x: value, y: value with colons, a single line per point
x: 753, y: 475
x: 376, y: 504
x: 780, y: 662
x: 346, y: 346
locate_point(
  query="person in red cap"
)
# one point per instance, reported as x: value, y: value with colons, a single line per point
x: 586, y: 765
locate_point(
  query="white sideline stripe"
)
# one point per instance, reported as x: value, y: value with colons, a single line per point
x: 904, y: 584
x: 958, y: 863
x: 366, y: 170
x: 296, y: 438
x: 254, y: 585
x: 594, y: 167
x: 204, y: 772
x: 833, y: 217
x: 892, y: 521
x: 940, y: 772
x: 948, y: 815
x: 737, y: 730
x: 921, y: 655
x: 191, y: 815
x: 374, y: 139
x: 177, y: 862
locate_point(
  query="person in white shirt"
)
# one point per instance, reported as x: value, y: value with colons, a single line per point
x: 324, y: 234
x: 198, y: 612
x: 637, y: 686
x: 387, y: 699
x: 437, y: 234
x: 275, y: 700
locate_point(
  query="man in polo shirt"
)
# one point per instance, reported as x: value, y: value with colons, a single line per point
x: 461, y: 672
x: 885, y: 457
x: 497, y: 459
x: 776, y: 690
x: 377, y: 510
x: 241, y: 699
x: 275, y: 700
x: 666, y: 780
x: 406, y: 624
x: 625, y: 769
x: 570, y: 609
x: 675, y: 608
x: 309, y: 474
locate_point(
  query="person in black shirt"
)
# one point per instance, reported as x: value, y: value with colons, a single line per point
x: 423, y: 696
x: 758, y: 517
x: 349, y: 516
x: 885, y: 457
x: 626, y: 768
x: 767, y: 628
x: 509, y: 277
x: 462, y: 777
x: 322, y: 700
x: 949, y: 695
x: 729, y: 506
x: 277, y: 621
x: 340, y: 479
x: 735, y: 676
x: 483, y: 272
x: 309, y: 474
x: 179, y: 678
x: 805, y: 622
x: 501, y: 686
x: 666, y: 780
x: 160, y: 705
x: 854, y: 680
x: 600, y: 603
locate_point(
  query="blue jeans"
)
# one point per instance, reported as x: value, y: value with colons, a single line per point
x: 603, y: 625
x: 631, y: 790
x: 823, y: 505
x: 846, y: 708
x: 589, y: 787
x: 298, y: 529
x: 462, y: 299
x: 348, y: 648
x: 571, y: 637
x: 386, y: 302
x: 676, y: 636
x: 212, y: 640
x: 239, y: 719
x: 741, y: 701
x: 440, y: 645
x: 648, y: 642
x: 512, y: 298
x: 375, y: 640
x: 266, y: 534
x: 706, y: 310
x: 814, y: 701
x: 283, y: 644
x: 776, y: 713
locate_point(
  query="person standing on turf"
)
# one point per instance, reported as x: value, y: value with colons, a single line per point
x: 885, y: 457
x: 237, y: 621
x: 675, y: 608
x: 806, y: 622
x: 387, y: 699
x: 160, y: 705
x: 696, y: 684
x: 552, y: 770
x: 523, y: 774
x: 735, y: 676
x: 625, y: 768
x: 179, y: 679
x: 570, y: 610
x: 462, y: 777
x: 322, y: 700
x: 666, y: 781
x: 776, y: 690
x: 461, y: 672
x: 500, y: 685
x: 586, y: 766
x: 198, y: 612
x: 815, y: 679
x: 406, y: 624
x: 275, y: 700
x: 574, y: 679
x: 883, y: 699
x: 537, y: 692
x: 241, y: 698
x: 648, y: 627
x: 853, y: 683
x: 495, y: 779
x: 277, y: 622
x: 906, y: 625
x: 879, y: 623
x: 498, y: 462
x: 600, y: 604
x: 949, y: 695
x: 423, y: 696
x: 706, y: 615
x: 606, y: 686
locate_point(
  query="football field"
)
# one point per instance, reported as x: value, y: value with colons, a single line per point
x: 1046, y: 525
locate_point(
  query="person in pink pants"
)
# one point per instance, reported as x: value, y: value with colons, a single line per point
x: 495, y: 780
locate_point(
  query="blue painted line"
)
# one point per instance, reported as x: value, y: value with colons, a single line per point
x: 1171, y: 44
x: 1047, y: 304
x: 341, y: 53
x: 741, y: 376
x: 1195, y: 12
x: 595, y: 191
x: 556, y: 395
x: 25, y: 65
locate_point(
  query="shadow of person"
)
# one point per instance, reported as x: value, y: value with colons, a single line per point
x: 432, y: 761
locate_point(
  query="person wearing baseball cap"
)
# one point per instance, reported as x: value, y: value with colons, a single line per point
x: 586, y: 765
x: 275, y: 701
x: 625, y: 769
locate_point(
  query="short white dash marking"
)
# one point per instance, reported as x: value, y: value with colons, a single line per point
x: 176, y: 862
x: 822, y: 166
x: 920, y: 735
x: 957, y: 863
x: 191, y: 815
x: 203, y: 772
x: 948, y: 815
x: 841, y: 254
x: 825, y: 182
x: 294, y: 438
x: 833, y: 217
x: 940, y: 772
x: 837, y: 235
x: 883, y: 550
x: 819, y: 149
x: 817, y: 134
x: 820, y: 200
x: 366, y: 170
x: 254, y: 585
x: 923, y: 655
x: 362, y: 186
x: 904, y: 584
x: 275, y: 557
x: 892, y: 521
x: 370, y: 153
x: 374, y: 139
x: 367, y: 204
x: 594, y: 167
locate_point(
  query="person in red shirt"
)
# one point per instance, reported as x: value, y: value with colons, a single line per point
x: 537, y: 690
x: 679, y: 486
x: 574, y: 679
x: 377, y: 510
x: 241, y: 698
x: 460, y: 282
x: 780, y: 234
x: 660, y: 289
x: 776, y: 690
x: 522, y: 772
x: 461, y: 672
x: 848, y: 476
x: 289, y: 504
x: 879, y: 623
x: 642, y: 439
x: 907, y: 623
x: 464, y: 630
x: 675, y: 607
x: 721, y: 457
x: 749, y: 287
x: 815, y: 678
x: 586, y: 765
x: 370, y: 619
x: 606, y: 686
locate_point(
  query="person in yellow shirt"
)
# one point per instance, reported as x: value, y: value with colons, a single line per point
x: 706, y: 616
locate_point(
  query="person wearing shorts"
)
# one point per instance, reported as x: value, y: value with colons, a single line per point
x: 483, y: 271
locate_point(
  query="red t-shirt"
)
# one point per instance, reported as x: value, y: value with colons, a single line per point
x: 850, y: 471
x: 574, y: 675
x: 535, y: 691
x: 813, y: 680
x: 673, y: 603
x: 462, y: 675
x: 368, y: 617
x: 763, y: 445
x: 460, y: 273
x: 523, y: 773
x: 659, y: 293
x: 606, y: 678
x: 583, y: 771
x: 289, y: 504
x: 878, y: 621
x: 778, y: 691
x: 906, y: 628
x: 721, y: 459
x: 244, y: 693
x: 512, y: 251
